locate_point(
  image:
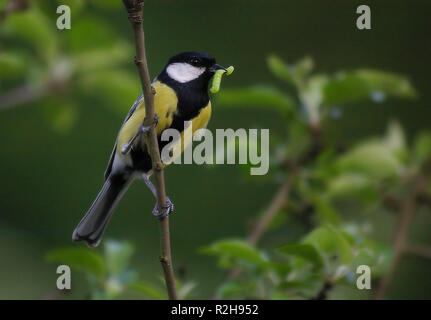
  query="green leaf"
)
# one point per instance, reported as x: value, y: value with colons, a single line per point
x: 422, y: 147
x: 395, y: 140
x: 365, y: 83
x: 117, y: 255
x: 330, y: 240
x: 148, y: 289
x: 280, y: 69
x: 305, y: 251
x: 80, y: 259
x: 305, y: 287
x: 304, y: 67
x: 298, y: 139
x: 239, y: 250
x: 297, y: 285
x: 351, y: 185
x: 12, y: 65
x: 185, y: 289
x: 257, y: 96
x: 113, y: 287
x: 364, y: 256
x: 279, y: 295
x: 281, y: 268
x: 325, y: 211
x: 377, y: 158
x: 33, y: 27
x: 371, y: 158
x: 234, y: 287
x: 294, y: 74
x: 343, y: 246
x: 312, y: 95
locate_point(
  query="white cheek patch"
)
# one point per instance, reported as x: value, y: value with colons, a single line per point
x: 183, y: 72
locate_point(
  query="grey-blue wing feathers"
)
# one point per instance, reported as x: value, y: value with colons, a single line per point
x: 137, y: 102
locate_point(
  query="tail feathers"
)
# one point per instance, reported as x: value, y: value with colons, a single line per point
x: 90, y: 229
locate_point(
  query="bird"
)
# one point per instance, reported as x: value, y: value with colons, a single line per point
x: 181, y: 94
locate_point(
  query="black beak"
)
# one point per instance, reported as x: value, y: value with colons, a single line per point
x: 216, y: 67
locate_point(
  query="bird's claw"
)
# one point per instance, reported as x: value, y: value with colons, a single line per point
x: 142, y: 129
x: 167, y: 210
x: 147, y: 128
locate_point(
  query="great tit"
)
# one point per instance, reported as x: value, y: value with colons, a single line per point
x: 181, y: 94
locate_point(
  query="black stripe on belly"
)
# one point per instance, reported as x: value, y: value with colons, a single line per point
x: 192, y: 98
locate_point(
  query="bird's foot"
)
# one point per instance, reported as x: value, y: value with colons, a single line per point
x: 147, y: 128
x: 166, y: 211
x: 142, y: 129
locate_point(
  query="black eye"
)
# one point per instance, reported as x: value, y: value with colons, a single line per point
x: 194, y: 61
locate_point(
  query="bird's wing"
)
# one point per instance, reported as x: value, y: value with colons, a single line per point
x: 129, y: 114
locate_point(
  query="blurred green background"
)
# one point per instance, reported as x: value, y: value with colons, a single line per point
x: 52, y: 162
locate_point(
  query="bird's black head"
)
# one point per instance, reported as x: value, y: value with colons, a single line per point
x: 191, y: 68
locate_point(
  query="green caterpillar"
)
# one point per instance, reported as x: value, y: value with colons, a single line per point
x: 215, y: 87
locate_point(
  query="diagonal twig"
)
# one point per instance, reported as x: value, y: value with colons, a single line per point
x: 400, y: 242
x: 281, y: 197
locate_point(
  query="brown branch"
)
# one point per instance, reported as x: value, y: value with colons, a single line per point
x: 282, y: 196
x: 324, y: 291
x: 276, y: 204
x: 21, y: 95
x: 56, y: 82
x: 400, y: 242
x: 134, y: 10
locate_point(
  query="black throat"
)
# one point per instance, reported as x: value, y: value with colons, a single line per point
x: 192, y: 97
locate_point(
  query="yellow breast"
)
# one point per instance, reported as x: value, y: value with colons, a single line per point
x: 165, y: 103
